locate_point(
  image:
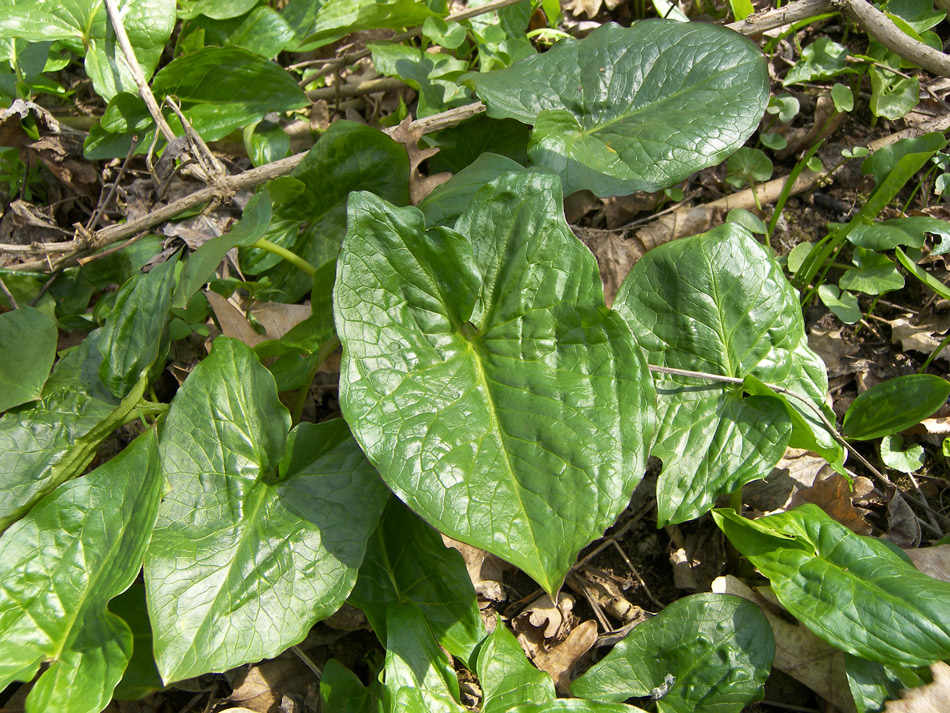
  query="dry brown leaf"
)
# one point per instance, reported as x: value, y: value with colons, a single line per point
x: 798, y: 652
x: 615, y: 257
x: 261, y: 688
x: 419, y: 186
x: 923, y: 336
x: 486, y: 570
x: 589, y: 7
x: 278, y: 319
x: 232, y: 320
x: 796, y: 470
x: 903, y: 526
x: 542, y: 620
x: 930, y: 698
x: 559, y: 660
x: 831, y: 346
x: 932, y: 561
x: 198, y: 230
x: 833, y: 495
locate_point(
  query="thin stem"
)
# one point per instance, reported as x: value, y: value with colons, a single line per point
x: 286, y: 254
x: 9, y: 295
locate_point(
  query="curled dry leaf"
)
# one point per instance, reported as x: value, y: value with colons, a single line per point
x: 833, y: 494
x: 559, y: 660
x: 933, y: 561
x: 486, y: 571
x: 798, y: 652
x: 589, y: 7
x: 615, y: 257
x: 262, y: 687
x: 543, y: 619
x: 903, y: 528
x: 931, y: 698
x: 923, y: 336
x: 419, y: 186
x: 232, y: 321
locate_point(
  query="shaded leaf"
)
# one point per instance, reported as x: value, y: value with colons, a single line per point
x: 822, y: 59
x: 341, y: 17
x: 141, y: 675
x: 446, y: 203
x: 718, y: 303
x: 343, y: 692
x: 252, y: 545
x: 471, y: 365
x: 873, y: 684
x: 506, y: 677
x: 78, y: 548
x: 432, y: 75
x: 617, y: 111
x: 703, y: 653
x: 461, y: 145
x: 859, y: 594
x: 27, y: 349
x: 407, y: 562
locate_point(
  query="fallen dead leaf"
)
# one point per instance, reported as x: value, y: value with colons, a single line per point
x: 543, y: 619
x: 834, y: 350
x: 833, y: 495
x: 419, y: 186
x: 932, y: 561
x: 798, y: 652
x: 930, y: 698
x: 261, y: 688
x: 923, y: 336
x: 559, y: 660
x: 278, y: 319
x: 589, y: 7
x: 486, y: 571
x: 903, y: 528
x: 232, y: 321
x: 615, y: 257
x: 796, y: 470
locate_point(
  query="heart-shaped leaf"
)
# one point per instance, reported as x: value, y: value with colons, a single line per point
x: 717, y: 303
x: 246, y: 556
x: 406, y: 561
x: 484, y: 377
x: 860, y: 594
x: 706, y: 653
x: 60, y: 565
x: 633, y: 109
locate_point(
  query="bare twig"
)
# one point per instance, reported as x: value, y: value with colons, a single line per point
x: 371, y: 86
x: 9, y: 295
x: 114, y: 186
x: 137, y: 75
x: 786, y: 15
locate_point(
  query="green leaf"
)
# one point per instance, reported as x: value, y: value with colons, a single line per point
x: 443, y: 34
x: 843, y: 304
x: 337, y: 18
x: 706, y: 653
x: 822, y: 59
x: 262, y: 31
x: 245, y: 557
x: 876, y: 274
x: 741, y: 9
x: 201, y: 265
x: 785, y: 106
x: 130, y: 339
x: 432, y: 75
x: 60, y: 565
x: 842, y: 97
x: 885, y: 160
x: 224, y: 88
x: 406, y: 561
x: 892, y: 96
x: 873, y: 684
x: 894, y: 455
x: 27, y: 349
x: 148, y: 23
x: 573, y: 705
x: 506, y: 677
x: 216, y: 9
x: 917, y: 271
x: 348, y: 157
x: 859, y: 594
x: 717, y: 303
x: 461, y: 146
x: 910, y: 231
x: 141, y: 675
x: 446, y: 203
x: 342, y: 691
x: 746, y: 166
x: 633, y: 109
x: 894, y: 405
x: 52, y: 441
x: 471, y: 367
x: 414, y: 659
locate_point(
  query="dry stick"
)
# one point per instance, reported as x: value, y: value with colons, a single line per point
x: 136, y: 70
x: 384, y: 84
x: 769, y: 20
x: 107, y: 201
x: 824, y: 420
x: 9, y: 295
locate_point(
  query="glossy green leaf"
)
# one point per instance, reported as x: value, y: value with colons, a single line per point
x: 201, y: 265
x: 717, y: 303
x: 141, y: 675
x: 47, y: 443
x: 348, y: 157
x: 432, y: 75
x: 574, y: 705
x: 59, y: 567
x: 148, y: 23
x: 888, y: 234
x: 506, y: 676
x: 885, y: 160
x: 633, y: 109
x: 748, y: 166
x: 342, y: 691
x: 859, y: 594
x: 483, y: 374
x: 893, y: 405
x: 216, y: 9
x: 461, y: 146
x: 406, y: 561
x: 415, y: 662
x: 822, y: 59
x: 245, y: 557
x: 706, y: 653
x: 131, y: 337
x: 341, y: 17
x: 262, y: 31
x: 27, y: 349
x: 446, y: 203
x: 224, y: 88
x: 892, y: 96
